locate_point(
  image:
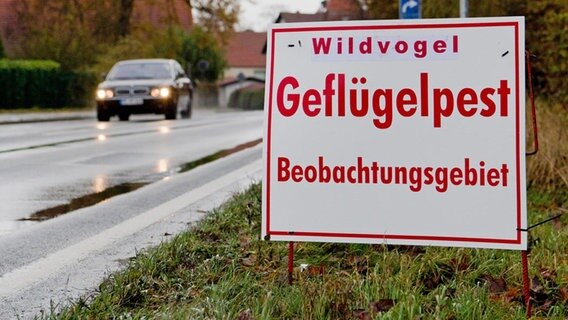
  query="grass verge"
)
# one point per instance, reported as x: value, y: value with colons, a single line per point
x: 222, y: 270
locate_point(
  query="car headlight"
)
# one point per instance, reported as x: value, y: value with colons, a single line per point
x: 164, y: 92
x: 104, y: 94
x: 160, y: 92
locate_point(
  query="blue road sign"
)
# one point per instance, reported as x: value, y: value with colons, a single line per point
x: 409, y: 9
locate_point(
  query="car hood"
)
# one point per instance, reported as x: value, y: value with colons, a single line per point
x: 135, y: 82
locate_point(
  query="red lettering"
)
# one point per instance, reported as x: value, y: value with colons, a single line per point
x: 365, y: 47
x: 482, y: 173
x: 297, y: 173
x: 467, y: 96
x: 339, y: 174
x: 357, y: 99
x: 292, y: 97
x: 488, y: 102
x: 311, y: 98
x: 440, y: 111
x: 351, y: 177
x: 324, y: 171
x: 456, y: 176
x: 382, y: 111
x: 420, y: 49
x: 401, y: 47
x: 424, y: 94
x: 455, y: 44
x: 439, y: 46
x: 493, y: 177
x: 405, y: 97
x: 328, y: 92
x: 442, y: 179
x: 383, y: 46
x: 321, y: 45
x: 283, y: 172
x: 503, y: 93
x: 310, y: 174
x: 470, y: 174
x: 504, y: 172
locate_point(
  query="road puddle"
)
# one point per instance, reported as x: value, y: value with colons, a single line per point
x: 83, y: 202
x: 103, y: 192
x: 218, y: 155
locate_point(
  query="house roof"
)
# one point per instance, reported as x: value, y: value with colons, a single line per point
x: 300, y: 17
x: 245, y: 50
x: 343, y: 10
x: 334, y: 10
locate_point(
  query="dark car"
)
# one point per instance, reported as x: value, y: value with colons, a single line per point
x: 157, y: 86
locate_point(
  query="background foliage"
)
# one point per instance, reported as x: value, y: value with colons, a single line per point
x: 2, y: 53
x: 173, y: 43
x: 248, y: 98
x: 87, y: 37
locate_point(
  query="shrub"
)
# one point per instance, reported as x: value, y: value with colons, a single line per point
x: 249, y: 98
x: 547, y: 171
x: 40, y: 83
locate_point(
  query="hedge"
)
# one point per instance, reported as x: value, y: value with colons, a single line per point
x: 250, y: 98
x: 39, y: 83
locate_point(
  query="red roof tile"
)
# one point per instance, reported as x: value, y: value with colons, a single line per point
x: 300, y: 17
x: 343, y: 10
x: 245, y: 50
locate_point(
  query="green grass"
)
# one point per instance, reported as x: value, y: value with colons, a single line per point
x: 222, y: 270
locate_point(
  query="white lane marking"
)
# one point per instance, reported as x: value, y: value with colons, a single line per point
x: 42, y: 269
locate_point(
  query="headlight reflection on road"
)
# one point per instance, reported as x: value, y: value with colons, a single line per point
x: 163, y: 165
x: 101, y: 126
x: 100, y: 183
x: 165, y: 129
x: 101, y: 137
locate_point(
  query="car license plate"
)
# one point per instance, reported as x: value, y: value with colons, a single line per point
x: 132, y: 101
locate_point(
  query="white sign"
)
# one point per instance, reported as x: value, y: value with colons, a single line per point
x: 396, y: 132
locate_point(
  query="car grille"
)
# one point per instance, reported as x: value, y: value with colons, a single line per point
x: 132, y: 91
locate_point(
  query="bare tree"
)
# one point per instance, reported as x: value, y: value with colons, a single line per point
x: 217, y: 16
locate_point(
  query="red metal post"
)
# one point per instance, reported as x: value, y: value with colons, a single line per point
x: 290, y: 262
x: 533, y: 106
x: 526, y: 282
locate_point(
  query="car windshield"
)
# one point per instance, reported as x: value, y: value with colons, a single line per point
x: 151, y: 70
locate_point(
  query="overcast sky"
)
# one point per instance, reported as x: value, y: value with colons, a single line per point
x: 258, y: 14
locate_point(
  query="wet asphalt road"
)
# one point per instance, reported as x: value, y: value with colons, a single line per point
x: 47, y: 164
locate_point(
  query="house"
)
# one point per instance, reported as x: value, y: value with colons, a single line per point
x: 246, y: 65
x: 246, y: 54
x: 332, y: 10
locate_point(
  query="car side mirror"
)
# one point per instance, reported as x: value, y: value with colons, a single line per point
x: 103, y: 75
